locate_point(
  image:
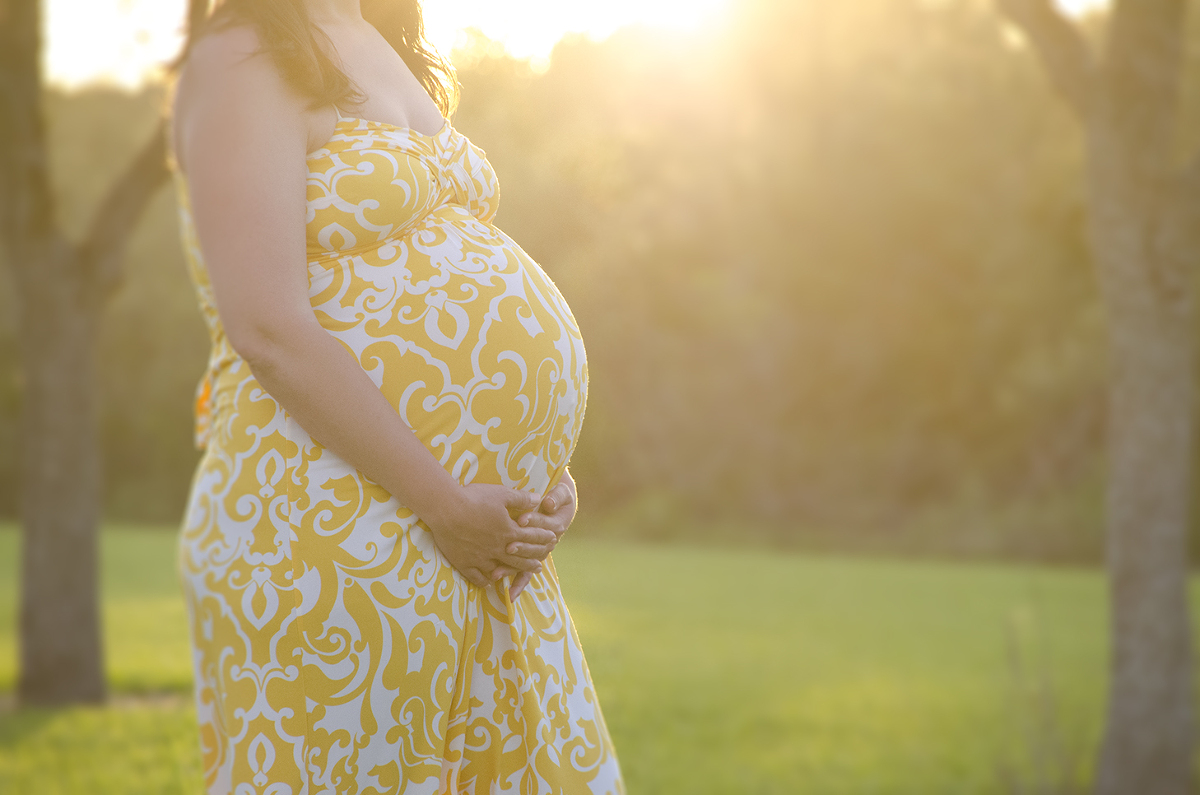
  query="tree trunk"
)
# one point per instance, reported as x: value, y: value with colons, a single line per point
x: 1144, y: 232
x: 61, y: 291
x: 60, y: 635
x: 1146, y: 279
x: 60, y: 650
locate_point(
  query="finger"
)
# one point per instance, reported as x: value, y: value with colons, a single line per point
x: 520, y: 501
x: 534, y: 551
x: 552, y: 523
x: 521, y: 564
x: 500, y: 572
x: 555, y: 523
x: 476, y: 576
x: 558, y: 497
x: 531, y: 535
x: 518, y: 586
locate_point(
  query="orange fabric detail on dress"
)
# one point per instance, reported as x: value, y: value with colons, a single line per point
x: 203, y: 410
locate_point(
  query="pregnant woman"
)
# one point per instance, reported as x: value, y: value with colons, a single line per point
x: 394, y: 391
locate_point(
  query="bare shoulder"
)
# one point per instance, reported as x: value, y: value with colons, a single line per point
x: 223, y: 61
x: 228, y: 45
x: 229, y: 82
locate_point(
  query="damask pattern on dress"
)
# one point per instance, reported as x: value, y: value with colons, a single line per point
x: 335, y: 649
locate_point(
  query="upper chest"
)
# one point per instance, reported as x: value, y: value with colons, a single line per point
x: 373, y: 180
x: 390, y: 91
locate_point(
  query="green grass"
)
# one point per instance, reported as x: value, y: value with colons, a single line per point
x: 719, y: 672
x: 145, y: 624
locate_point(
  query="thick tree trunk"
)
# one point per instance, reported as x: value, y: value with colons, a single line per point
x: 1147, y: 285
x: 60, y: 638
x: 60, y: 649
x: 1149, y: 739
x: 1144, y: 231
x: 61, y: 291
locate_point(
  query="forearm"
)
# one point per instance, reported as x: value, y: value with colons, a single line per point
x: 328, y: 393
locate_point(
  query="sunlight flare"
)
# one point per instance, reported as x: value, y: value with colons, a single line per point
x: 125, y: 42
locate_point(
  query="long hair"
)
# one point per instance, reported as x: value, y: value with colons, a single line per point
x: 288, y: 36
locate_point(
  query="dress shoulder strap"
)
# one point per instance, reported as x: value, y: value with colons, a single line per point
x: 339, y: 113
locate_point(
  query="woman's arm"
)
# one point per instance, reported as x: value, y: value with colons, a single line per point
x: 243, y: 135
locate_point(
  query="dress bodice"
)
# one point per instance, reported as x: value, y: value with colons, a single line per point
x: 371, y: 184
x: 373, y: 181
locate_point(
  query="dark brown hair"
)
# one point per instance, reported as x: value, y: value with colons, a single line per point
x: 291, y: 40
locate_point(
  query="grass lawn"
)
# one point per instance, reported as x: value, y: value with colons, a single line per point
x: 719, y: 672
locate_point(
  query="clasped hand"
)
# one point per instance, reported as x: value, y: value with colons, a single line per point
x: 493, y: 531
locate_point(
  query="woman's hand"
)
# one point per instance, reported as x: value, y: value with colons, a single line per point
x: 475, y: 530
x: 554, y: 513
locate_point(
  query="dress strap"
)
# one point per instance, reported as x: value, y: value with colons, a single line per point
x: 339, y: 113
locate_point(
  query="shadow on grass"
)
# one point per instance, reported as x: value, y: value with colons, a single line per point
x: 17, y: 722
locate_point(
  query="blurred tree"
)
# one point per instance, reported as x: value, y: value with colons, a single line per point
x: 829, y: 261
x: 61, y: 289
x: 1144, y: 231
x: 826, y: 261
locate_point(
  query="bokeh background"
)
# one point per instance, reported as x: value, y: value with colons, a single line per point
x: 841, y: 475
x: 828, y: 259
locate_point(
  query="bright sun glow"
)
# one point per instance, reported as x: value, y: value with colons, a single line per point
x: 122, y: 41
x: 1078, y: 7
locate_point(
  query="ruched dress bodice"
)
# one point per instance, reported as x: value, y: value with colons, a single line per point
x: 336, y: 649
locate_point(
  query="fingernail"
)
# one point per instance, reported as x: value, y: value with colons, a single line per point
x: 524, y: 522
x: 553, y: 504
x: 512, y: 549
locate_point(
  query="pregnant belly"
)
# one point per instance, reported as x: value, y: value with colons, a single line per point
x: 471, y: 343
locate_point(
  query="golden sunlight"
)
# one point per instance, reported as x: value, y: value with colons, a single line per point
x: 123, y: 42
x: 1081, y: 7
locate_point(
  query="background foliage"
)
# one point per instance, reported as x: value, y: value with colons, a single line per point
x: 828, y: 262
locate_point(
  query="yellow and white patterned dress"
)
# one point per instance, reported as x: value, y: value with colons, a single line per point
x: 335, y: 648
